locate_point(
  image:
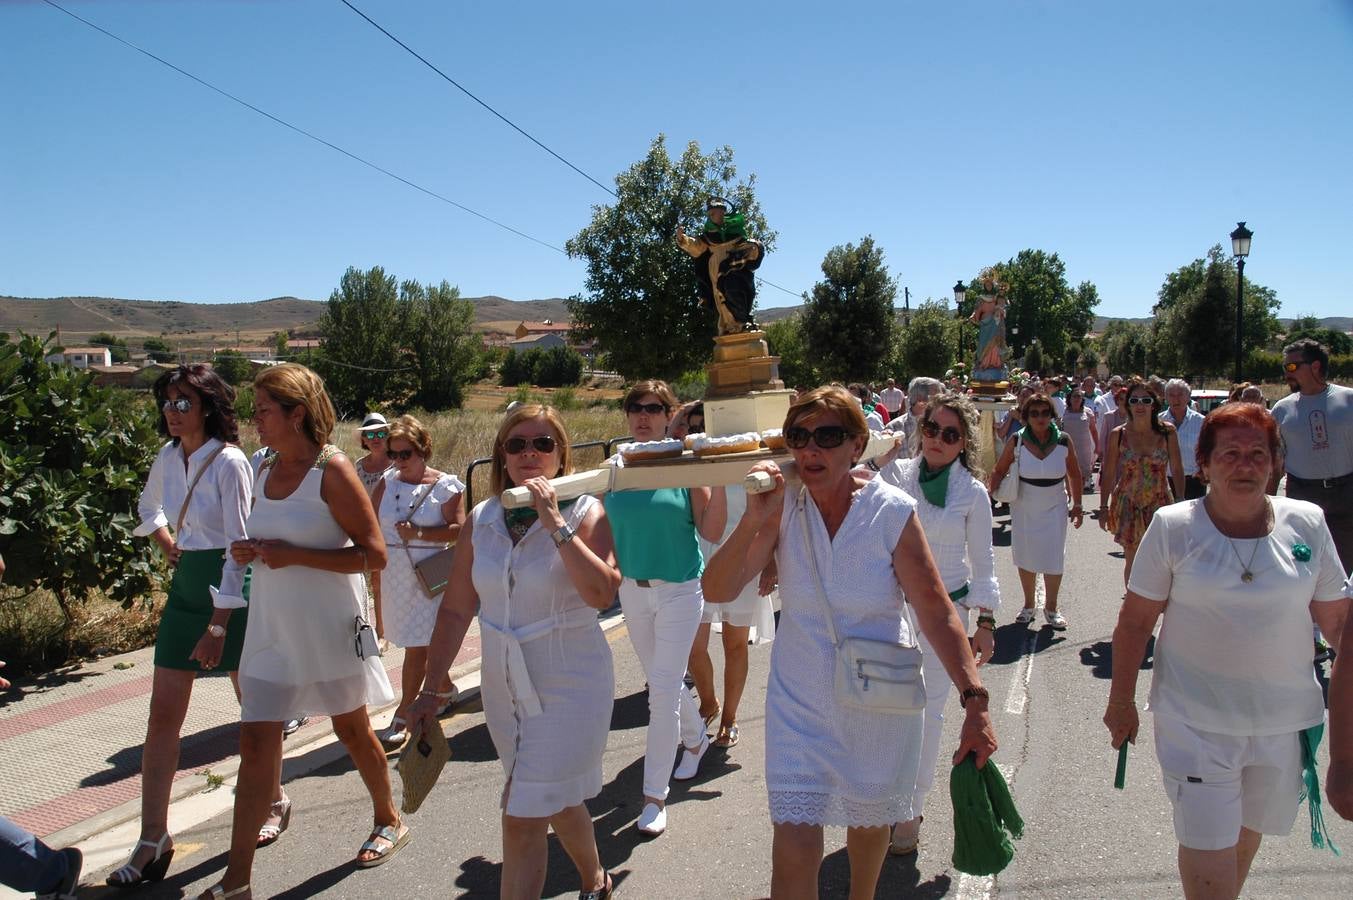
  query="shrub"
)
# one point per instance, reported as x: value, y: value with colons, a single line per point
x: 565, y: 398
x: 691, y: 386
x: 556, y: 367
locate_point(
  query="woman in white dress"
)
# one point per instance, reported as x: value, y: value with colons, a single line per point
x: 374, y: 436
x: 312, y: 532
x: 537, y: 577
x: 828, y: 763
x: 421, y: 510
x: 1080, y: 423
x: 955, y: 511
x: 1239, y: 577
x: 1048, y: 472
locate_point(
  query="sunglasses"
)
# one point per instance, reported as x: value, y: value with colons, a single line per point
x: 1289, y: 368
x: 543, y: 444
x: 949, y: 435
x: 653, y: 409
x: 1141, y: 401
x: 1040, y: 414
x: 181, y: 404
x: 826, y: 437
x: 376, y: 435
x: 402, y: 455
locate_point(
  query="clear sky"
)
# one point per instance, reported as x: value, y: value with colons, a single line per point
x: 1127, y: 137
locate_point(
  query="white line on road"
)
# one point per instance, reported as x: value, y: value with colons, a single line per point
x: 974, y: 887
x: 1018, y: 697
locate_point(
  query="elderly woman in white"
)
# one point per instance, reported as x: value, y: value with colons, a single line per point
x: 955, y: 511
x: 1239, y: 576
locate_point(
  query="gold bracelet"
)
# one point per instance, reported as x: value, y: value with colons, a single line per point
x: 1122, y: 704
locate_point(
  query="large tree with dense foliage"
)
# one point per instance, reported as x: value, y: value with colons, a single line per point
x: 786, y: 340
x: 641, y: 304
x: 848, y: 321
x: 927, y: 344
x: 1043, y: 305
x: 1308, y: 326
x: 439, y: 334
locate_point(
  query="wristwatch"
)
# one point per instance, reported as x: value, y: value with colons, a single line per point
x: 216, y: 631
x: 971, y: 692
x: 420, y: 534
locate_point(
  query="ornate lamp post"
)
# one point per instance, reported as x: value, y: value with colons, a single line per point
x: 960, y: 293
x: 1240, y: 248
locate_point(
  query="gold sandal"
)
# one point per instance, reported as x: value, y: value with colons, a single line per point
x: 728, y: 736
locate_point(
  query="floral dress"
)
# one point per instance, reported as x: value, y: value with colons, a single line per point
x: 1143, y: 488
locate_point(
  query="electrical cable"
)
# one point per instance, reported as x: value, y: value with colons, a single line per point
x: 303, y: 132
x: 466, y: 91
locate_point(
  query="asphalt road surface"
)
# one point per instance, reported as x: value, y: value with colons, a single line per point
x: 1083, y: 839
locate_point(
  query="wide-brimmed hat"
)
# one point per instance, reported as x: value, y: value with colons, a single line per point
x: 373, y: 422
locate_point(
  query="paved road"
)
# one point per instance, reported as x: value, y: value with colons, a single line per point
x: 1084, y: 838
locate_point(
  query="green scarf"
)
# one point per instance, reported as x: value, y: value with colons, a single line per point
x: 983, y: 812
x: 1310, y: 790
x: 519, y: 521
x: 934, y: 482
x: 734, y: 226
x: 1054, y: 433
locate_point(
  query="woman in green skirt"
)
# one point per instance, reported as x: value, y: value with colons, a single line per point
x: 194, y: 504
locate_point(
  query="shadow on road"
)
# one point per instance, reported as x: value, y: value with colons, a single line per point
x: 198, y: 750
x: 899, y: 878
x: 1012, y: 642
x: 1099, y: 657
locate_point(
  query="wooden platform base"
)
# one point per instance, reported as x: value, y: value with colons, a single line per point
x: 742, y: 364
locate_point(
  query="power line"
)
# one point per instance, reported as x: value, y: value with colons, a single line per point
x: 777, y: 287
x: 466, y: 91
x: 303, y: 132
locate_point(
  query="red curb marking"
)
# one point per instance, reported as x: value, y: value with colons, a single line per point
x: 64, y: 710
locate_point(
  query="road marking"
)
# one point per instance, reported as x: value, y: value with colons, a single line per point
x: 972, y: 887
x: 1018, y: 696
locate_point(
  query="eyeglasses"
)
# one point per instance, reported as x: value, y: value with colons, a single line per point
x: 179, y: 404
x: 402, y: 455
x: 376, y: 435
x: 1040, y: 414
x: 826, y: 437
x: 1289, y: 368
x: 653, y: 409
x: 542, y: 443
x: 950, y: 435
x: 1141, y: 401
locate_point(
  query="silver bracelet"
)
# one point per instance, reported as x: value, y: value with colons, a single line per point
x: 563, y: 535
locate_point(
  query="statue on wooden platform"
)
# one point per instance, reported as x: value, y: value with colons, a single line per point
x: 725, y: 259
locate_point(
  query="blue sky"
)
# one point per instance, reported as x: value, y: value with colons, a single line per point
x: 1128, y: 138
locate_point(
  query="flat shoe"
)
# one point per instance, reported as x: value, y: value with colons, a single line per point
x: 905, y: 848
x: 1024, y: 617
x: 1056, y: 621
x: 690, y: 760
x: 395, y: 838
x: 728, y: 736
x: 653, y: 820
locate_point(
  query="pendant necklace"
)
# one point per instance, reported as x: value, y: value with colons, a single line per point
x: 1247, y: 575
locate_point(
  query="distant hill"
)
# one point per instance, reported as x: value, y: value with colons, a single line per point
x: 80, y: 317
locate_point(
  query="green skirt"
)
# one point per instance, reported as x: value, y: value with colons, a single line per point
x: 188, y: 611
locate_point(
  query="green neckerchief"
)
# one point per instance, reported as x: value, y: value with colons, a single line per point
x: 734, y: 226
x: 1055, y: 435
x: 519, y: 521
x: 934, y: 482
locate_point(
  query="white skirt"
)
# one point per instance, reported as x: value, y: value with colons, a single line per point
x: 1038, y: 528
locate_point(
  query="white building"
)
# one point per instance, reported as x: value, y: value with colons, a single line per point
x: 82, y: 357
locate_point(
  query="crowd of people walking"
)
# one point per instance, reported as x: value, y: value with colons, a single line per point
x: 282, y: 566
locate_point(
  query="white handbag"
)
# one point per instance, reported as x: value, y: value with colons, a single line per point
x: 873, y: 675
x: 1008, y: 490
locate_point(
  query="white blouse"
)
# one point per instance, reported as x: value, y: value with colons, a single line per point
x: 959, y: 533
x: 217, y: 510
x: 1235, y: 657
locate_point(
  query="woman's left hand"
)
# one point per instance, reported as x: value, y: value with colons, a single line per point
x: 407, y: 530
x: 1077, y: 516
x: 983, y: 645
x: 977, y: 735
x: 275, y: 554
x: 545, y: 501
x: 207, y: 653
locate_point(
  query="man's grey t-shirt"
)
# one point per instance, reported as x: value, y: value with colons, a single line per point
x: 1317, y: 432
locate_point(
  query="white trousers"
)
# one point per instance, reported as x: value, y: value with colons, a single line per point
x: 937, y: 686
x: 662, y: 621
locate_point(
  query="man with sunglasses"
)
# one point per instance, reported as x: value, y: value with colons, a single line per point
x: 1316, y: 421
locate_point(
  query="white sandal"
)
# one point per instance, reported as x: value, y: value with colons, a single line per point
x: 154, y: 870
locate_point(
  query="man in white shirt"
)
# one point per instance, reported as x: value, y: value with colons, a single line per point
x: 1188, y: 424
x: 893, y: 397
x: 1105, y: 404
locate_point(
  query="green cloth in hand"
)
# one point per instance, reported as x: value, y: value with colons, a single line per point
x: 984, y: 812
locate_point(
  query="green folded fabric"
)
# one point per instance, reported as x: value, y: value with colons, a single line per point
x: 985, y: 818
x: 1310, y: 787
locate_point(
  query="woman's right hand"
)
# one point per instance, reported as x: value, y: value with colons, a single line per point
x: 1103, y: 517
x: 170, y: 548
x: 1122, y: 721
x: 422, y: 714
x: 243, y: 552
x: 761, y: 507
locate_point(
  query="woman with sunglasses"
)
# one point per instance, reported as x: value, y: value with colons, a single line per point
x: 659, y: 554
x: 373, y: 435
x: 829, y: 764
x: 1078, y: 420
x: 955, y: 511
x: 421, y: 510
x: 537, y: 578
x: 194, y: 504
x: 1140, y: 453
x: 1049, y: 471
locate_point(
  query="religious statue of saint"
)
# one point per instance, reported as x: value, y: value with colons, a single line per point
x: 725, y: 259
x: 990, y: 318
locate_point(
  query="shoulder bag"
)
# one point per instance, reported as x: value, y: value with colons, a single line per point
x: 435, y: 571
x: 877, y: 676
x: 1008, y: 490
x: 183, y: 510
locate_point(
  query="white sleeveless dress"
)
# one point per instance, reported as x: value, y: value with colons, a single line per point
x: 406, y: 610
x: 828, y: 764
x: 299, y: 658
x: 1038, y: 517
x: 548, y: 684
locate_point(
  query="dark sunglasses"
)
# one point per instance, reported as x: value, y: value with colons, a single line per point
x: 1138, y: 401
x: 402, y: 455
x: 950, y: 435
x: 653, y: 409
x: 180, y: 404
x: 826, y: 437
x: 1040, y: 414
x: 542, y: 443
x: 377, y: 435
x: 1289, y: 368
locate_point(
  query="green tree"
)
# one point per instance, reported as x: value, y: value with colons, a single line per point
x: 365, y: 362
x: 117, y: 347
x: 1043, y: 305
x: 1338, y: 343
x: 1033, y: 358
x: 557, y: 367
x: 279, y: 343
x: 848, y: 321
x: 1126, y: 346
x: 233, y: 367
x: 928, y: 345
x: 159, y: 349
x: 73, y: 458
x: 785, y: 339
x: 639, y: 283
x: 438, y: 327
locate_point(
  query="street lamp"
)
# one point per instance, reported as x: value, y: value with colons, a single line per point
x: 960, y: 292
x: 1240, y: 248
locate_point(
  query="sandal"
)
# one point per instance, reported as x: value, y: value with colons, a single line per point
x: 130, y: 875
x: 279, y: 817
x: 906, y: 848
x: 216, y: 892
x: 395, y: 736
x: 601, y: 893
x: 1026, y: 616
x: 1056, y: 621
x: 394, y: 838
x: 711, y: 718
x: 448, y: 701
x: 728, y: 736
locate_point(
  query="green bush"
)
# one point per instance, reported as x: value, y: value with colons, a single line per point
x: 1265, y: 365
x: 691, y: 386
x: 565, y: 399
x: 516, y: 368
x: 73, y: 459
x: 557, y: 367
